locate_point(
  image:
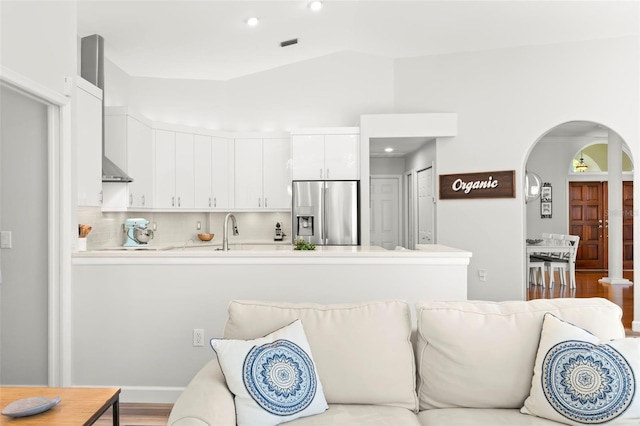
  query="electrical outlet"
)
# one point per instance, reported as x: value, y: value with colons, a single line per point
x: 482, y: 274
x: 5, y: 239
x: 198, y: 337
x: 198, y: 225
x: 154, y: 226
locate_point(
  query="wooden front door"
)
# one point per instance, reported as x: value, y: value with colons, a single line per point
x: 586, y: 219
x: 588, y: 214
x: 627, y: 225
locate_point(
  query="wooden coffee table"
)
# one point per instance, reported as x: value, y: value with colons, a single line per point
x: 78, y: 406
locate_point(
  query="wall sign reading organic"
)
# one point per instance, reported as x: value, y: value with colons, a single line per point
x: 500, y: 184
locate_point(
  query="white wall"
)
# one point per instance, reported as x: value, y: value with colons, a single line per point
x: 387, y: 166
x: 422, y: 158
x: 23, y: 211
x: 329, y: 91
x: 38, y: 40
x: 506, y: 100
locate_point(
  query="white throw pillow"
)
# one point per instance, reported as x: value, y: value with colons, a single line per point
x: 579, y: 379
x: 274, y: 378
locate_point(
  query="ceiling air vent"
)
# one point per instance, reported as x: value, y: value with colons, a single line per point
x: 289, y: 42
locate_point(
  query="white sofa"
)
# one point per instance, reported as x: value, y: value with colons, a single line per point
x: 459, y: 363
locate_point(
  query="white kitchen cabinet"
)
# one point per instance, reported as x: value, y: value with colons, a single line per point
x: 165, y: 168
x: 248, y: 173
x: 89, y: 143
x: 184, y: 170
x: 212, y: 168
x: 129, y: 141
x: 174, y: 169
x: 202, y: 169
x: 222, y: 159
x: 325, y: 156
x: 140, y: 165
x: 262, y: 174
x: 276, y: 173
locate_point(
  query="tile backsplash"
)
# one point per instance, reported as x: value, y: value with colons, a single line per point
x: 107, y: 230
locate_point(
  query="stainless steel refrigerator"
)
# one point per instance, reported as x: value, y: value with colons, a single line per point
x: 326, y: 212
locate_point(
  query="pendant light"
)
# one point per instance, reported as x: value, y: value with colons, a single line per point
x: 581, y: 166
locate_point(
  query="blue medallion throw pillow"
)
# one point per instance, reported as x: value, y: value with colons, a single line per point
x: 578, y: 380
x: 273, y: 378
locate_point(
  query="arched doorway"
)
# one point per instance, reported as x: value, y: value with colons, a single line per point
x: 555, y: 157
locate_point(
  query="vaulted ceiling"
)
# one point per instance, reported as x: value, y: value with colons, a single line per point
x: 210, y: 40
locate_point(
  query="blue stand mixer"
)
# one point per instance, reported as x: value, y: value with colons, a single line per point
x: 138, y: 235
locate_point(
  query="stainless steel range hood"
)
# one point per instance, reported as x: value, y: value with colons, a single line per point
x: 92, y: 70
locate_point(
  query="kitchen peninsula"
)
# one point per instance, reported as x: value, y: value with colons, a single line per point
x: 119, y: 296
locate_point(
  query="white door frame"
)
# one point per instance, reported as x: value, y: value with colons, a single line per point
x: 431, y: 169
x: 398, y: 179
x: 410, y: 196
x: 60, y: 219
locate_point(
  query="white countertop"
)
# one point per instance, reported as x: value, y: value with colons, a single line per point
x: 272, y: 254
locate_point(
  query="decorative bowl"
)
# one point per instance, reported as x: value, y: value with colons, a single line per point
x: 206, y: 237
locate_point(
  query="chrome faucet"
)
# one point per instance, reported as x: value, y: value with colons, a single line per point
x: 225, y: 237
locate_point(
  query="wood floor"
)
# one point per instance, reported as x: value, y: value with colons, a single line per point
x: 587, y: 285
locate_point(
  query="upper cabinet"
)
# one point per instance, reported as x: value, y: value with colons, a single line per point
x: 213, y: 160
x: 89, y: 143
x: 174, y: 165
x: 330, y: 156
x: 262, y: 174
x: 129, y: 143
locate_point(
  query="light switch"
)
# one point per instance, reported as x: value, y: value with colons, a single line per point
x: 5, y: 239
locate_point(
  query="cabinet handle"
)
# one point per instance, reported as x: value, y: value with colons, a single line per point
x: 320, y: 173
x: 178, y: 201
x: 144, y: 201
x: 101, y: 197
x: 328, y: 174
x: 209, y: 201
x: 130, y: 199
x: 259, y: 202
x: 265, y: 201
x: 173, y: 201
x: 215, y: 204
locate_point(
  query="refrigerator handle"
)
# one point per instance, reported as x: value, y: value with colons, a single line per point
x: 324, y: 237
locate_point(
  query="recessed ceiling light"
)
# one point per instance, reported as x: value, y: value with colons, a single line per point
x: 389, y: 149
x: 252, y: 22
x: 315, y: 5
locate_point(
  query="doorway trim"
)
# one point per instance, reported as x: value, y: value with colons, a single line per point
x: 60, y: 218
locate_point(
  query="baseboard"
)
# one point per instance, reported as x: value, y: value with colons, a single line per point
x: 149, y: 394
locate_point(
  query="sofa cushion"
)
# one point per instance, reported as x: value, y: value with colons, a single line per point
x: 579, y: 379
x: 480, y: 417
x: 273, y: 378
x: 361, y: 415
x: 481, y: 354
x: 363, y: 351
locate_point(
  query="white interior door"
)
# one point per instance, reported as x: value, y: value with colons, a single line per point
x: 425, y: 206
x: 385, y: 212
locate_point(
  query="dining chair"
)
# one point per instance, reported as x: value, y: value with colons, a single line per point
x: 564, y: 263
x: 538, y: 263
x: 537, y: 267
